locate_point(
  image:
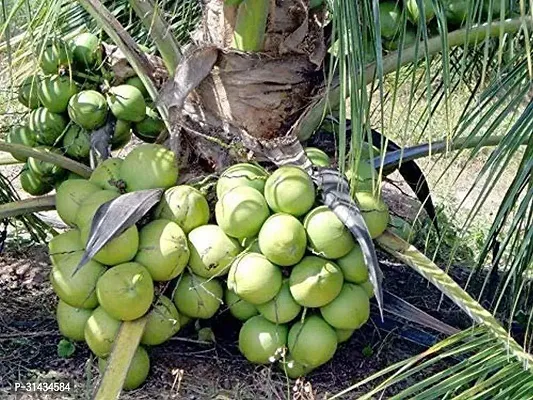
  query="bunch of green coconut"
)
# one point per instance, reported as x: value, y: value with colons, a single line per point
x: 70, y: 98
x: 281, y: 263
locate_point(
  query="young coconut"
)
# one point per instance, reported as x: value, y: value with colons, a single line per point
x: 198, y: 297
x: 126, y: 291
x: 241, y: 211
x: 84, y: 207
x: 71, y: 320
x: 368, y: 288
x: 375, y: 212
x: 349, y: 310
x: 163, y: 322
x: 121, y: 134
x: 255, y: 279
x: 315, y: 281
x: 100, y: 332
x: 364, y: 177
x: 69, y: 197
x: 46, y: 171
x: 79, y: 290
x: 282, y: 308
x: 353, y: 266
x: 64, y: 246
x: 243, y: 174
x: 86, y: 50
x: 163, y: 249
x: 317, y: 157
x: 107, y: 175
x: 262, y: 341
x: 127, y: 103
x: 328, y: 237
x: 239, y: 308
x: 290, y: 190
x: 77, y: 142
x: 211, y: 251
x: 184, y: 205
x: 343, y: 335
x: 88, y: 109
x: 313, y: 342
x: 150, y: 127
x: 21, y: 134
x: 414, y: 12
x: 55, y: 54
x: 390, y: 18
x: 55, y: 92
x: 28, y: 93
x: 48, y: 126
x: 282, y: 239
x: 138, y: 83
x: 149, y: 166
x: 34, y: 184
x: 137, y: 372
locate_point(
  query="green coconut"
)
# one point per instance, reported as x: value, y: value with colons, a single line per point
x: 343, y: 335
x: 313, y: 342
x: 184, y: 205
x: 149, y: 129
x: 211, y: 251
x: 149, y: 166
x: 45, y: 170
x: 401, y: 228
x: 457, y: 11
x: 255, y: 279
x: 163, y: 249
x: 86, y: 50
x: 101, y: 330
x: 121, y: 135
x: 34, y: 184
x: 368, y: 288
x: 282, y: 239
x: 79, y: 290
x: 317, y: 157
x: 137, y: 372
x: 327, y: 235
x: 126, y: 291
x: 55, y: 92
x: 64, y: 246
x: 262, y: 341
x: 69, y: 196
x: 163, y: 322
x: 88, y: 109
x: 71, y: 320
x: 138, y: 83
x: 414, y: 12
x: 107, y: 175
x: 315, y: 281
x: 292, y: 368
x: 364, y: 178
x: 282, y: 308
x: 239, y: 308
x: 409, y: 39
x: 126, y: 102
x: 198, y: 297
x: 375, y: 212
x: 28, y: 94
x: 290, y: 190
x: 48, y: 126
x: 21, y: 134
x: 185, y: 320
x: 241, y: 212
x: 55, y: 55
x: 243, y: 174
x: 390, y: 19
x: 353, y: 265
x: 119, y: 250
x: 77, y: 142
x: 349, y: 310
x: 90, y: 204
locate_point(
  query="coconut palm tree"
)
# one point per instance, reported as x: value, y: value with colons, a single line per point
x: 256, y: 78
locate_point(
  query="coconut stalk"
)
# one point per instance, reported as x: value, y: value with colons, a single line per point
x: 27, y: 206
x: 57, y: 159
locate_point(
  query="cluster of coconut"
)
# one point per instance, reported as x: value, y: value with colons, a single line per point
x: 70, y: 98
x: 283, y: 264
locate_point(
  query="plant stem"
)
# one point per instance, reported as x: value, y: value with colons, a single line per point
x: 168, y: 47
x: 27, y: 206
x: 53, y: 158
x: 474, y: 34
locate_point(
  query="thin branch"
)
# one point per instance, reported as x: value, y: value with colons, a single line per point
x: 27, y: 206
